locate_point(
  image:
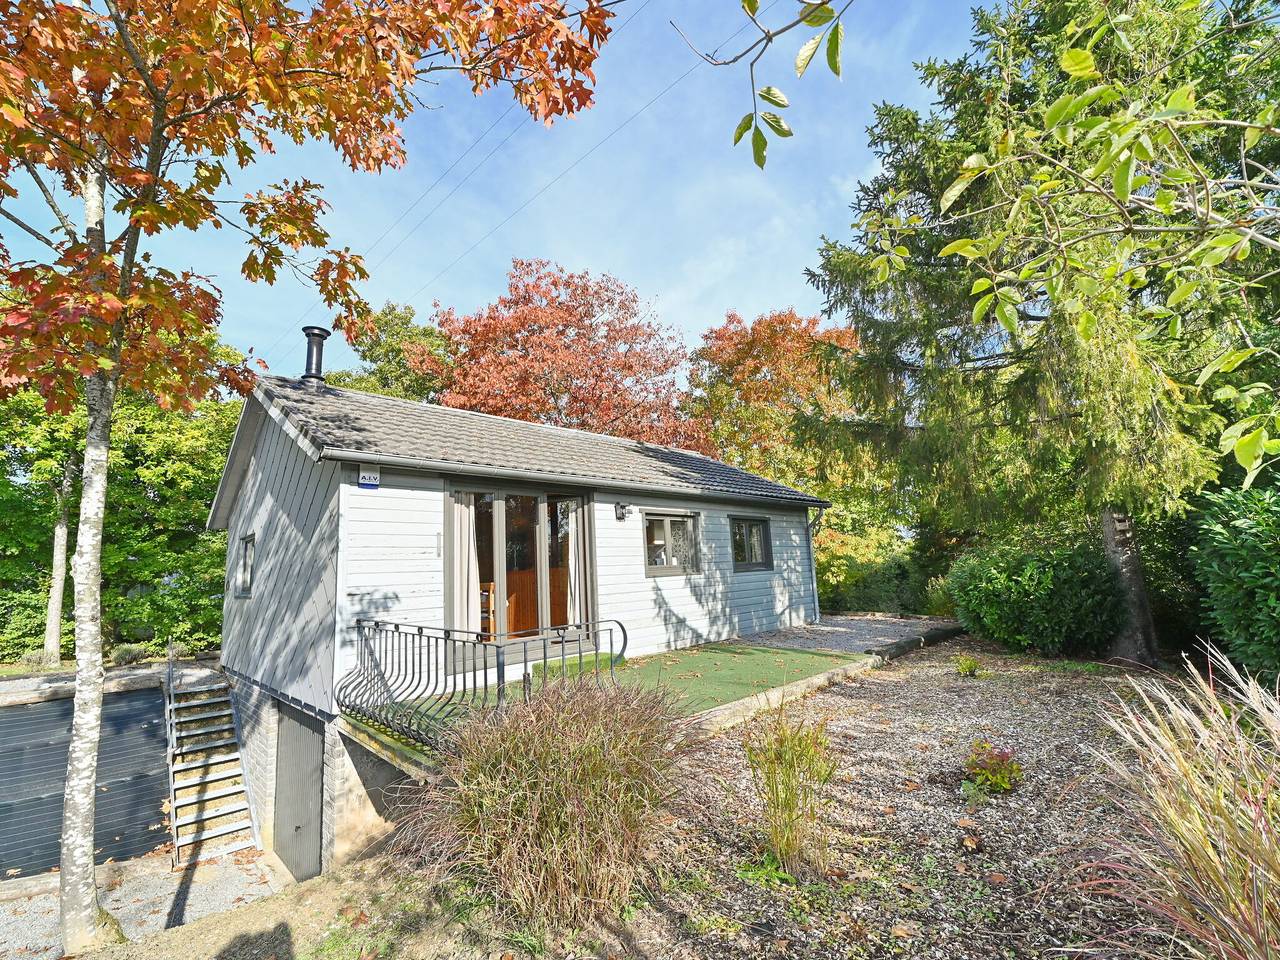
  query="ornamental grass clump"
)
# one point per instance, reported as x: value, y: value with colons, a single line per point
x: 1200, y: 771
x: 551, y: 806
x: 791, y: 768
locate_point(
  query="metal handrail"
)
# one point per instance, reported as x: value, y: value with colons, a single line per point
x: 413, y: 680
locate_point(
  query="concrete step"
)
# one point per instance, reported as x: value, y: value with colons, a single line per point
x: 212, y: 834
x: 211, y: 814
x: 192, y: 718
x: 206, y: 762
x: 203, y: 731
x: 209, y: 745
x: 211, y: 777
x: 205, y: 702
x: 206, y: 797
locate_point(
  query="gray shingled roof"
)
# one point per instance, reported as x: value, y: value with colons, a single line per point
x: 347, y: 423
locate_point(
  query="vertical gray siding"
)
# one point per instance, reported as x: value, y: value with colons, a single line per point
x: 391, y: 563
x: 714, y: 603
x: 282, y: 636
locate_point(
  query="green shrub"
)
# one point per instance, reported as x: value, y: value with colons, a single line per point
x: 22, y: 614
x: 791, y: 768
x: 967, y: 666
x: 992, y: 769
x: 937, y: 599
x: 1196, y: 770
x: 864, y: 571
x: 1060, y: 601
x: 1238, y: 563
x: 550, y: 806
x: 127, y: 653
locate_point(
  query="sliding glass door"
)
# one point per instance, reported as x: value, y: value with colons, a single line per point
x: 518, y: 561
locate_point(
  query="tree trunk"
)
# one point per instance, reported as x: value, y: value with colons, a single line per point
x: 85, y: 925
x: 1136, y: 641
x: 58, y: 569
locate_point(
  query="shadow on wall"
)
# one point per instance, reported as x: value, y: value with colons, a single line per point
x: 783, y: 599
x: 276, y: 943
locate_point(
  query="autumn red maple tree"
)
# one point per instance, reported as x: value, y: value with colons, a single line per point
x: 566, y: 349
x: 126, y: 119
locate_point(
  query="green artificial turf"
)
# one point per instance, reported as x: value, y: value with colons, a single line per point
x: 716, y: 673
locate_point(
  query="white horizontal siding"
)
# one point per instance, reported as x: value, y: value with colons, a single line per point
x: 282, y: 635
x: 714, y: 603
x: 391, y: 564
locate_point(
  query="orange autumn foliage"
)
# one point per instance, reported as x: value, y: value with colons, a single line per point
x: 750, y: 378
x: 566, y: 349
x: 153, y: 104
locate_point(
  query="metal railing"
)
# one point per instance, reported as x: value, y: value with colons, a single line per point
x: 414, y: 680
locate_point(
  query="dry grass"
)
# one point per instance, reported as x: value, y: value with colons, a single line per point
x: 1201, y: 772
x: 791, y: 768
x: 550, y: 806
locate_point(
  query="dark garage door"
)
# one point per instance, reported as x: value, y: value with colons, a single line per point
x: 133, y: 782
x: 299, y: 791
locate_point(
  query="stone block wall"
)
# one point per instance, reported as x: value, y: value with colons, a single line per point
x: 256, y: 714
x: 359, y: 791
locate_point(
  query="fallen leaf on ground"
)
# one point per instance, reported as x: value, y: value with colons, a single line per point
x: 997, y: 878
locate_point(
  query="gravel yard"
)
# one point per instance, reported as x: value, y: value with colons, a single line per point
x: 146, y: 897
x: 915, y: 872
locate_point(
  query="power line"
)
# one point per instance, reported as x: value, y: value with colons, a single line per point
x: 421, y: 196
x: 559, y: 176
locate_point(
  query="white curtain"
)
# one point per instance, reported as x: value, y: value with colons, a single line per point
x: 466, y: 564
x: 573, y: 607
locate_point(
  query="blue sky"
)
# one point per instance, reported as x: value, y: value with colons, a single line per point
x: 665, y: 203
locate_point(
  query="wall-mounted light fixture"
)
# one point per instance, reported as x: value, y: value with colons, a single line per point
x: 621, y: 511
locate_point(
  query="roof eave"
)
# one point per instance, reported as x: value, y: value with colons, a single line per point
x: 538, y: 476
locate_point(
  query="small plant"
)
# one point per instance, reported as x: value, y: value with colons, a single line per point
x: 179, y: 650
x: 703, y: 924
x: 34, y: 660
x: 791, y: 767
x: 974, y: 795
x: 967, y: 666
x: 992, y: 769
x: 937, y: 599
x: 550, y: 806
x: 767, y: 873
x: 127, y: 653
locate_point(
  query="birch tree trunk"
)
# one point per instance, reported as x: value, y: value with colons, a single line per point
x: 58, y: 568
x: 85, y: 925
x: 1136, y: 641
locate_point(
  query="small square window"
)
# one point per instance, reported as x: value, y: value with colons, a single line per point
x: 244, y: 568
x: 670, y: 544
x: 752, y: 543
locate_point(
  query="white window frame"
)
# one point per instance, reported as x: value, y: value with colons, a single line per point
x: 244, y: 566
x: 670, y: 569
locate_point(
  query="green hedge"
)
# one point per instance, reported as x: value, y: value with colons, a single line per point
x: 1059, y: 601
x: 1238, y: 564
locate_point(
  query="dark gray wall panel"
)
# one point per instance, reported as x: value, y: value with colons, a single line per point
x: 133, y: 781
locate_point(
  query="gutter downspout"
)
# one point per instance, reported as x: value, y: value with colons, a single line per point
x: 812, y: 527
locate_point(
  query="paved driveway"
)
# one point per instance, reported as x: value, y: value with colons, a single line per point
x: 850, y: 632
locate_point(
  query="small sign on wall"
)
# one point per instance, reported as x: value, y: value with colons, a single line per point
x: 370, y: 477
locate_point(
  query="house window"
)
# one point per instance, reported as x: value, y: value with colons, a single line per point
x: 244, y: 569
x: 670, y: 544
x: 752, y: 544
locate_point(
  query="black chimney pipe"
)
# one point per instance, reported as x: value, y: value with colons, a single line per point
x: 316, y: 336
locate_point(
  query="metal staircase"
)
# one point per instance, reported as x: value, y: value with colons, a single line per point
x: 209, y: 801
